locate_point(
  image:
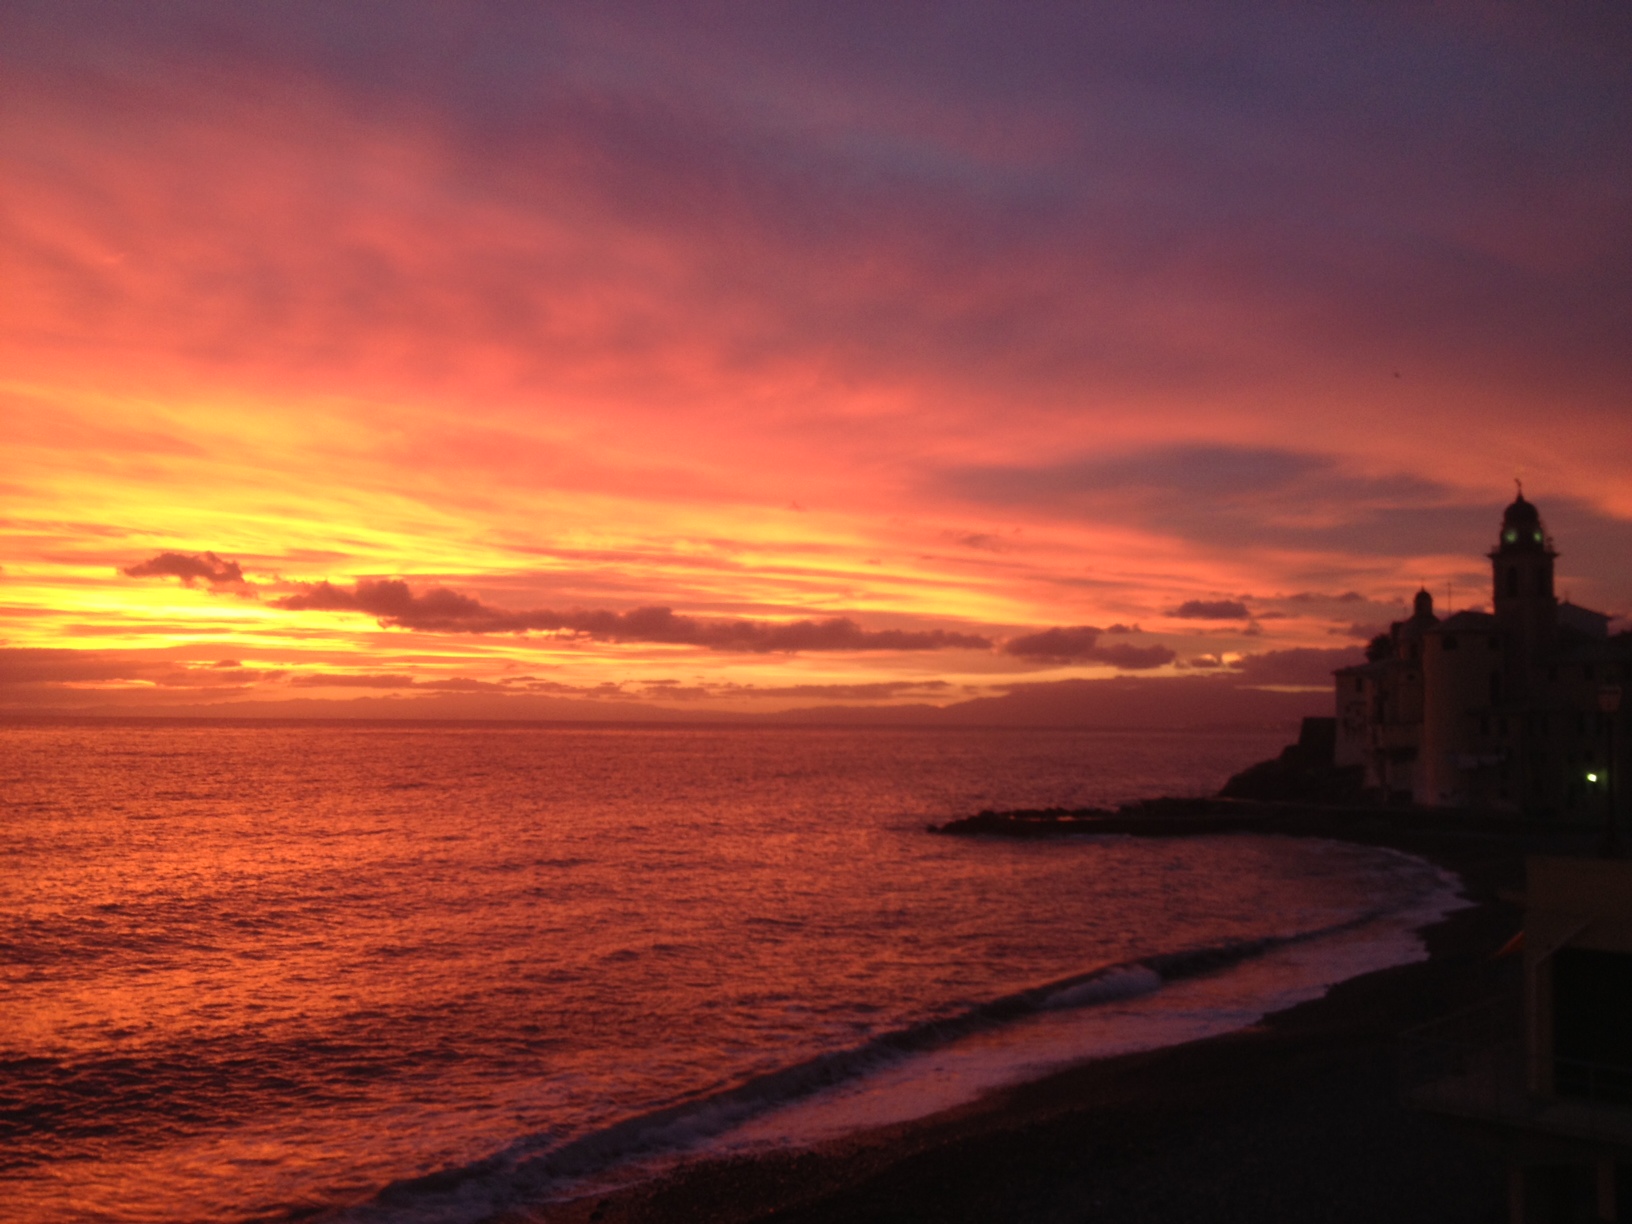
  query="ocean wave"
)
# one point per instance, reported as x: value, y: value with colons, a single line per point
x: 543, y: 1166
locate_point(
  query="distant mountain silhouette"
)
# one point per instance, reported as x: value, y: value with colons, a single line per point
x: 1122, y: 701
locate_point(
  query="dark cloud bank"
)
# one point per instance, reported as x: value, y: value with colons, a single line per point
x: 190, y: 568
x: 1211, y: 609
x: 393, y: 603
x: 1080, y: 644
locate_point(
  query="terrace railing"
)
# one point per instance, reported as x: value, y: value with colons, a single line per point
x: 1472, y: 1065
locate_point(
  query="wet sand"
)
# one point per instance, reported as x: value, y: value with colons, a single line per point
x: 1294, y: 1119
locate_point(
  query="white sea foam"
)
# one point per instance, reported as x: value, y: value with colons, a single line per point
x: 1123, y: 982
x: 1127, y: 1010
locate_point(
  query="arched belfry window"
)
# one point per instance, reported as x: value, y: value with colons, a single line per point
x: 1512, y: 580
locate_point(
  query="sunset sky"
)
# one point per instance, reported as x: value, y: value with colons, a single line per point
x: 547, y: 360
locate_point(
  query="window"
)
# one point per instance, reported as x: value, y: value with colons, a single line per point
x: 1512, y: 580
x: 1592, y: 1024
x: 1450, y: 642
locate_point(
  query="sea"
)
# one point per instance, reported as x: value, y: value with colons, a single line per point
x: 429, y: 973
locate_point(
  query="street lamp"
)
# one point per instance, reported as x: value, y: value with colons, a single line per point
x: 1609, y: 703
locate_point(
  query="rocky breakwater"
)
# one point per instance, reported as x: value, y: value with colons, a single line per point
x: 1149, y: 818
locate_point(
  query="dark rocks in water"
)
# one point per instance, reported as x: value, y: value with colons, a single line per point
x: 1147, y: 818
x: 1254, y: 798
x: 1303, y: 773
x: 1036, y: 822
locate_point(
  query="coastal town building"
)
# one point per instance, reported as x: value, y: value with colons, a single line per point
x: 1516, y: 709
x: 1546, y: 1072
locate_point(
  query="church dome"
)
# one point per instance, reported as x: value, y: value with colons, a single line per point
x: 1521, y: 514
x: 1521, y: 526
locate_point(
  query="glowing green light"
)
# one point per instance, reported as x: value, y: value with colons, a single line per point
x: 1592, y: 777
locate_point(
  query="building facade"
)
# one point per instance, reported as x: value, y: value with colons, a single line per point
x: 1517, y: 709
x: 1545, y: 1073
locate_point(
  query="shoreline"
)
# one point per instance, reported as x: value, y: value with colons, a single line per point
x: 1228, y: 1127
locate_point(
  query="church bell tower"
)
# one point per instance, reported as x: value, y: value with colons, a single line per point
x: 1522, y: 573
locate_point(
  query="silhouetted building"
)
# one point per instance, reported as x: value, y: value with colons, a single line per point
x: 1547, y: 1072
x: 1509, y: 710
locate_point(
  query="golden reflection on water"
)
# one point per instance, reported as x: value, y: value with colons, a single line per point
x: 254, y: 967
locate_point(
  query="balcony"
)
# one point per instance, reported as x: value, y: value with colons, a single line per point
x: 1472, y: 1065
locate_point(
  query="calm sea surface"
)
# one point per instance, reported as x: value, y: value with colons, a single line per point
x: 389, y: 972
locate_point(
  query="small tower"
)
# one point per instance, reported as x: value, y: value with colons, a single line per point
x: 1522, y: 578
x: 1422, y: 607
